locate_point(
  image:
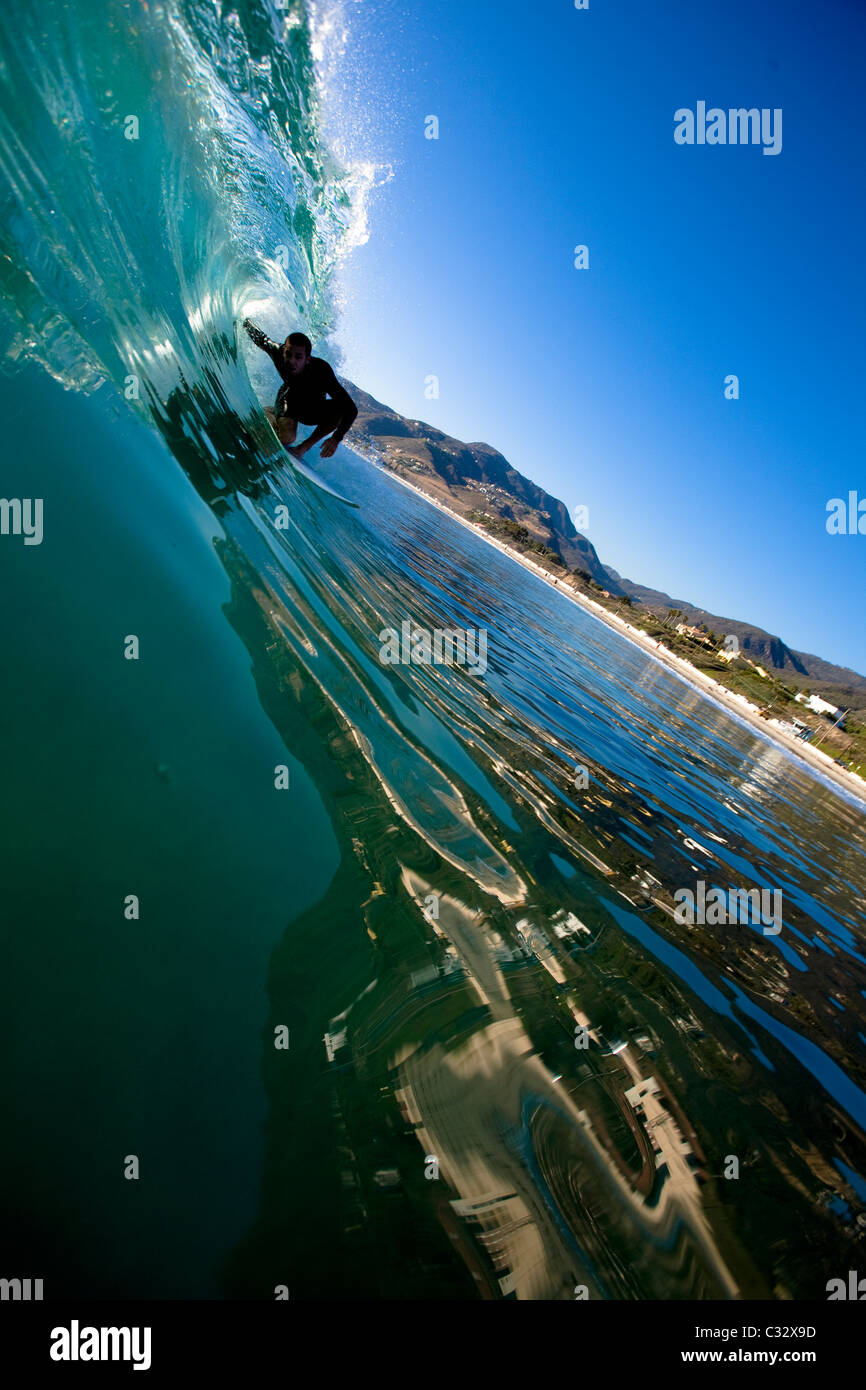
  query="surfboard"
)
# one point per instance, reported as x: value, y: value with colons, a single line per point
x: 312, y: 476
x: 305, y: 471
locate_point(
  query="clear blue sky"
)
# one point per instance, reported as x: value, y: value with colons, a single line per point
x: 606, y: 385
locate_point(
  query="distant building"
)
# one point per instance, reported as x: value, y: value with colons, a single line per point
x: 685, y: 631
x: 815, y: 703
x: 795, y: 727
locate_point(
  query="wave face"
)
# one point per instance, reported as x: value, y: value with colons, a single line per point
x: 414, y: 1017
x: 160, y: 161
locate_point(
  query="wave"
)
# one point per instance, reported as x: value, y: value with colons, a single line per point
x: 161, y: 166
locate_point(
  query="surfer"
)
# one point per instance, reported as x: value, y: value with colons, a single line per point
x: 310, y: 394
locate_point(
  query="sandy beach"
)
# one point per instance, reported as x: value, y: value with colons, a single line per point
x: 815, y: 760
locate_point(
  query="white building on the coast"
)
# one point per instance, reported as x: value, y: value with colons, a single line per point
x: 814, y: 702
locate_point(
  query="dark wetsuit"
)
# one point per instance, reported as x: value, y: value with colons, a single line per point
x: 303, y: 397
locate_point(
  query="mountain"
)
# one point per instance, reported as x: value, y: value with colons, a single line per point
x: 475, y: 478
x: 471, y: 477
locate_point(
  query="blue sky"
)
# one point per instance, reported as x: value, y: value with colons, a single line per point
x: 606, y: 385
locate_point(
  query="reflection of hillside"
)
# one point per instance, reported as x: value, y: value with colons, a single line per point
x: 474, y: 1106
x: 517, y: 1149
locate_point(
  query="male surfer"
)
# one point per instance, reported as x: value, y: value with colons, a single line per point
x: 307, y: 382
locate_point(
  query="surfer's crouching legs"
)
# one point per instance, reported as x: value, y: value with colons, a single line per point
x: 331, y: 418
x: 284, y: 427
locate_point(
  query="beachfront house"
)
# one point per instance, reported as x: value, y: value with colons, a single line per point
x: 815, y: 703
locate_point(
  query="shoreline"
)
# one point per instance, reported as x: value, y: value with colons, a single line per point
x: 814, y: 760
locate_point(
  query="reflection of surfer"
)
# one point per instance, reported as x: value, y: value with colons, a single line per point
x: 310, y: 394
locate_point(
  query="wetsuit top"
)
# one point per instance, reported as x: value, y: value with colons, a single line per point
x: 303, y: 397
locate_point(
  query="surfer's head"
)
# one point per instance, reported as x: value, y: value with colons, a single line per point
x: 296, y: 352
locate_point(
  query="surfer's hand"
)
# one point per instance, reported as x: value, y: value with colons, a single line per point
x: 329, y: 448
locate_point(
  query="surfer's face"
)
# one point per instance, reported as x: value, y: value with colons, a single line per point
x: 296, y: 357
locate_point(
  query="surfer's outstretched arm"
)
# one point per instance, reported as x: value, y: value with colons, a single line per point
x: 261, y: 340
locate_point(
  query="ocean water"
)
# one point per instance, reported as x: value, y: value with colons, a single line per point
x: 466, y: 869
